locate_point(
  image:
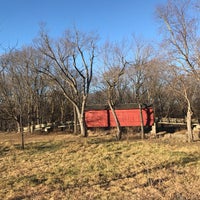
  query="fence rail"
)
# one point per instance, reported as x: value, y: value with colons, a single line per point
x: 176, y: 121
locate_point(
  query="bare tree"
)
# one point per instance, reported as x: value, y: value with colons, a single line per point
x: 184, y: 86
x: 35, y: 85
x: 114, y: 63
x: 180, y: 26
x: 13, y: 96
x: 142, y: 53
x: 137, y: 72
x: 21, y: 88
x: 155, y: 89
x: 69, y: 64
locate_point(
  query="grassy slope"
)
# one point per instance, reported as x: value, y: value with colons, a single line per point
x: 71, y: 167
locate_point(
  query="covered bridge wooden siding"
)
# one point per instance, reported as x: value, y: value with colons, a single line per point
x: 127, y: 117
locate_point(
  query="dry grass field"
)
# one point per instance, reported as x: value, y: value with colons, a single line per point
x: 64, y: 166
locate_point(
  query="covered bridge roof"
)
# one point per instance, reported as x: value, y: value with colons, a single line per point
x: 118, y: 107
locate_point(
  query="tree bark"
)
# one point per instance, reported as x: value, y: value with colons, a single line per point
x: 80, y: 112
x: 82, y: 124
x: 22, y: 132
x: 189, y: 126
x: 141, y: 122
x: 20, y: 129
x: 75, y: 120
x: 118, y: 126
x: 62, y: 111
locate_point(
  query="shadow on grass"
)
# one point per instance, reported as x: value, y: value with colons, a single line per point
x: 101, y: 140
x: 4, y: 150
x: 112, y: 138
x: 41, y: 147
x: 105, y: 181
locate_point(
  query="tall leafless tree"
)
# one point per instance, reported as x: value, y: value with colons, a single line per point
x: 179, y: 26
x: 141, y: 54
x: 12, y: 87
x: 69, y: 63
x: 114, y: 65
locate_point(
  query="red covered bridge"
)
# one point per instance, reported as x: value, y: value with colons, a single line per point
x: 128, y: 117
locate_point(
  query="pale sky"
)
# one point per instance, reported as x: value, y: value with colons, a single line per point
x: 112, y: 19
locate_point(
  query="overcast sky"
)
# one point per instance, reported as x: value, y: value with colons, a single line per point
x: 112, y: 19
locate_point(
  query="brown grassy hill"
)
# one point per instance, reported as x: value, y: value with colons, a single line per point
x: 63, y: 166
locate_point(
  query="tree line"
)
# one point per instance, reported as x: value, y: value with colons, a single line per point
x: 54, y: 79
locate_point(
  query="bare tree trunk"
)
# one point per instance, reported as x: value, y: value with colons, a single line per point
x: 18, y: 126
x: 32, y: 127
x: 119, y: 131
x: 189, y: 118
x: 75, y: 120
x: 37, y: 115
x: 21, y: 131
x: 141, y: 122
x: 62, y: 111
x: 52, y: 112
x: 80, y: 112
x: 82, y: 124
x: 189, y: 126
